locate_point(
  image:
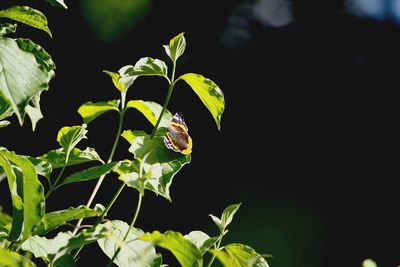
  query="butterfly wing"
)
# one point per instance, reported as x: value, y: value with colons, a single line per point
x: 177, y: 137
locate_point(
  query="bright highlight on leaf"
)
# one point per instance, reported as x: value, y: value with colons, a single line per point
x: 238, y: 255
x: 151, y: 110
x: 7, y: 28
x: 209, y: 93
x: 148, y: 66
x: 28, y: 16
x: 58, y: 3
x: 69, y: 136
x: 58, y: 157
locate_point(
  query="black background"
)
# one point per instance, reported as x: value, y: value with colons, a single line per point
x: 307, y: 141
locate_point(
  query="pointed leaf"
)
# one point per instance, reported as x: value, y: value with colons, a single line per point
x: 121, y: 80
x: 176, y: 47
x: 7, y: 28
x: 238, y: 255
x: 156, y: 152
x: 33, y: 110
x: 133, y: 252
x: 65, y: 261
x: 151, y: 110
x: 91, y: 173
x: 13, y: 259
x: 90, y: 111
x: 58, y: 3
x: 5, y: 224
x: 5, y: 109
x: 148, y: 66
x: 187, y: 254
x: 45, y: 248
x: 209, y: 93
x: 26, y: 15
x: 23, y: 58
x: 57, y: 157
x: 26, y: 194
x: 227, y: 214
x: 201, y: 240
x: 69, y: 136
x: 55, y: 219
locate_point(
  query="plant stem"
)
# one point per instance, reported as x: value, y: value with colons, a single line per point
x: 214, y: 256
x: 110, y: 204
x: 54, y: 186
x: 101, y: 179
x: 170, y: 88
x: 139, y: 204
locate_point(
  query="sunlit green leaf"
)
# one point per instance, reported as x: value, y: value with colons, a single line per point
x: 7, y: 28
x: 13, y: 259
x: 5, y: 223
x: 57, y: 157
x: 238, y: 255
x: 69, y: 136
x: 23, y: 58
x: 369, y: 263
x: 226, y: 217
x: 26, y: 194
x: 148, y: 66
x: 42, y: 167
x: 187, y: 254
x: 90, y: 174
x: 151, y: 110
x: 156, y: 152
x: 59, y: 3
x: 45, y: 248
x: 33, y: 110
x: 201, y: 240
x: 53, y: 220
x: 5, y: 108
x: 176, y: 46
x: 132, y: 252
x: 26, y: 15
x: 90, y: 111
x: 4, y: 123
x: 209, y: 93
x: 140, y: 175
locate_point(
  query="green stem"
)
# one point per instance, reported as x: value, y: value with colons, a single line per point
x: 139, y: 204
x: 54, y: 186
x: 214, y: 256
x: 170, y: 89
x: 110, y: 204
x: 101, y: 179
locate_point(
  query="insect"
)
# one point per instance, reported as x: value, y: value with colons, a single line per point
x: 177, y: 137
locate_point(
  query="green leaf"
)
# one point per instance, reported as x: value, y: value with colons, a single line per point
x: 42, y: 167
x: 57, y: 157
x: 238, y: 255
x: 208, y: 92
x: 55, y: 219
x: 226, y: 218
x: 90, y: 111
x: 155, y: 152
x: 369, y: 263
x: 23, y: 58
x: 140, y: 175
x: 5, y: 224
x: 83, y: 238
x: 45, y: 248
x: 58, y: 3
x: 5, y: 109
x: 4, y: 123
x: 176, y: 47
x: 151, y: 110
x: 33, y: 110
x: 26, y: 15
x: 201, y: 240
x: 7, y: 28
x: 91, y: 173
x: 148, y: 66
x: 13, y: 259
x: 133, y: 252
x: 69, y: 136
x: 26, y: 194
x: 65, y: 261
x: 187, y: 254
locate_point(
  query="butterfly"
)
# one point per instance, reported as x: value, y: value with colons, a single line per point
x: 177, y: 137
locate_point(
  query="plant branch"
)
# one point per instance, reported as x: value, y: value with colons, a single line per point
x: 139, y: 204
x: 54, y: 186
x: 217, y: 248
x: 170, y: 89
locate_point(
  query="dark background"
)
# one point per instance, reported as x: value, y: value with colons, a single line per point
x: 308, y: 136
